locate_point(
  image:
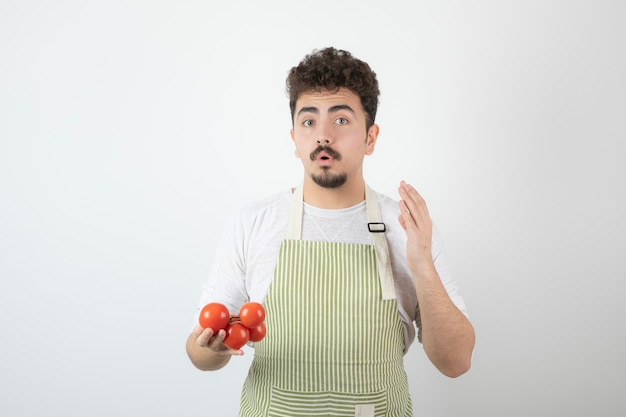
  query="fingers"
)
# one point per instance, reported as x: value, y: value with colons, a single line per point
x: 206, y: 338
x: 203, y: 336
x: 412, y: 206
x: 402, y: 222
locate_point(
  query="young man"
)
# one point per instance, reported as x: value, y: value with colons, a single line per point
x: 345, y: 274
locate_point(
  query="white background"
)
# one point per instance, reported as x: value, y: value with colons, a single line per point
x: 129, y: 130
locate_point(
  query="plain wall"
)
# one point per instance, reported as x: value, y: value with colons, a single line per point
x: 129, y: 130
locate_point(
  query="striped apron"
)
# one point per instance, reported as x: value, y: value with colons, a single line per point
x: 334, y: 344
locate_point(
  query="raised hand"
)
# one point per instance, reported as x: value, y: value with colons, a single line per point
x: 415, y: 220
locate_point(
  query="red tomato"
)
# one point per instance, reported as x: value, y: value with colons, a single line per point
x: 214, y: 316
x: 236, y: 335
x: 251, y: 314
x: 257, y: 333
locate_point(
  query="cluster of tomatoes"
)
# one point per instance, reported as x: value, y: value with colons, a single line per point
x: 249, y: 325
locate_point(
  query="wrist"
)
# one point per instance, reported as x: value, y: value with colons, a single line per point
x: 424, y: 270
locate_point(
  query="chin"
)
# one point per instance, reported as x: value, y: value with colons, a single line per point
x: 330, y: 181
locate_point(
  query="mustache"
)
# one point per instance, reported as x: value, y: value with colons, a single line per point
x: 323, y: 148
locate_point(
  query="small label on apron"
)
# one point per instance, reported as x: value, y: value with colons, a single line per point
x: 364, y: 410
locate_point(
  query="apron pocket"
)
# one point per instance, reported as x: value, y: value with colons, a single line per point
x: 285, y: 402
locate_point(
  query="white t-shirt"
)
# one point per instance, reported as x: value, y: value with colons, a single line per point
x: 244, y: 264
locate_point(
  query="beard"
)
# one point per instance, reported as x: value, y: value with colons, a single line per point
x: 328, y: 180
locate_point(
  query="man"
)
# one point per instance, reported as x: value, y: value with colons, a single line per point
x: 345, y: 274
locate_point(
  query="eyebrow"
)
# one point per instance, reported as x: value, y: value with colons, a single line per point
x: 333, y: 109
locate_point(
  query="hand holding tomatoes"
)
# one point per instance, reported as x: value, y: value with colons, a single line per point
x: 247, y: 326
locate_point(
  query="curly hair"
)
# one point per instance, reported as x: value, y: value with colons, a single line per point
x: 331, y: 69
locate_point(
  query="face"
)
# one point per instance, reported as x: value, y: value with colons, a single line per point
x: 330, y: 136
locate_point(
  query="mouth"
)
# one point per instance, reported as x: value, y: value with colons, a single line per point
x: 324, y: 155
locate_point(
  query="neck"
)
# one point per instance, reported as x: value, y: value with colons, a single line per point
x: 348, y: 195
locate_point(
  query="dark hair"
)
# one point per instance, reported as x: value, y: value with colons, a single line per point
x: 331, y: 69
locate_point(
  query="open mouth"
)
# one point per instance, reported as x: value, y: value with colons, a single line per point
x: 323, y: 159
x: 324, y: 154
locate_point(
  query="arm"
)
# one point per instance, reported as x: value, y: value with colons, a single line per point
x: 225, y: 284
x: 447, y: 335
x: 207, y: 351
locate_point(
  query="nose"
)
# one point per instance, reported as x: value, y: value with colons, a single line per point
x: 324, y: 133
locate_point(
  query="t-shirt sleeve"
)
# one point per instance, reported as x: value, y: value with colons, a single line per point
x: 226, y: 281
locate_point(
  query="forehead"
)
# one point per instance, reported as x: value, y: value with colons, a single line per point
x: 325, y: 99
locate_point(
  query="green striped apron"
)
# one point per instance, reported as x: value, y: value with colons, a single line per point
x: 334, y: 344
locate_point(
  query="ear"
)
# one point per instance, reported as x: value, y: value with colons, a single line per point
x: 293, y: 139
x: 372, y: 136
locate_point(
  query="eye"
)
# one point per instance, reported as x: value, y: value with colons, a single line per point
x: 307, y: 123
x: 341, y: 121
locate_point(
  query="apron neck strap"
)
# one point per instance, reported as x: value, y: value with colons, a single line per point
x: 376, y: 228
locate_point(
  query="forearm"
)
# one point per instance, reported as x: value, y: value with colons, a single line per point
x: 204, y: 358
x: 447, y: 335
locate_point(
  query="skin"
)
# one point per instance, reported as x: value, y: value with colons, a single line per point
x: 447, y: 335
x: 338, y: 120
